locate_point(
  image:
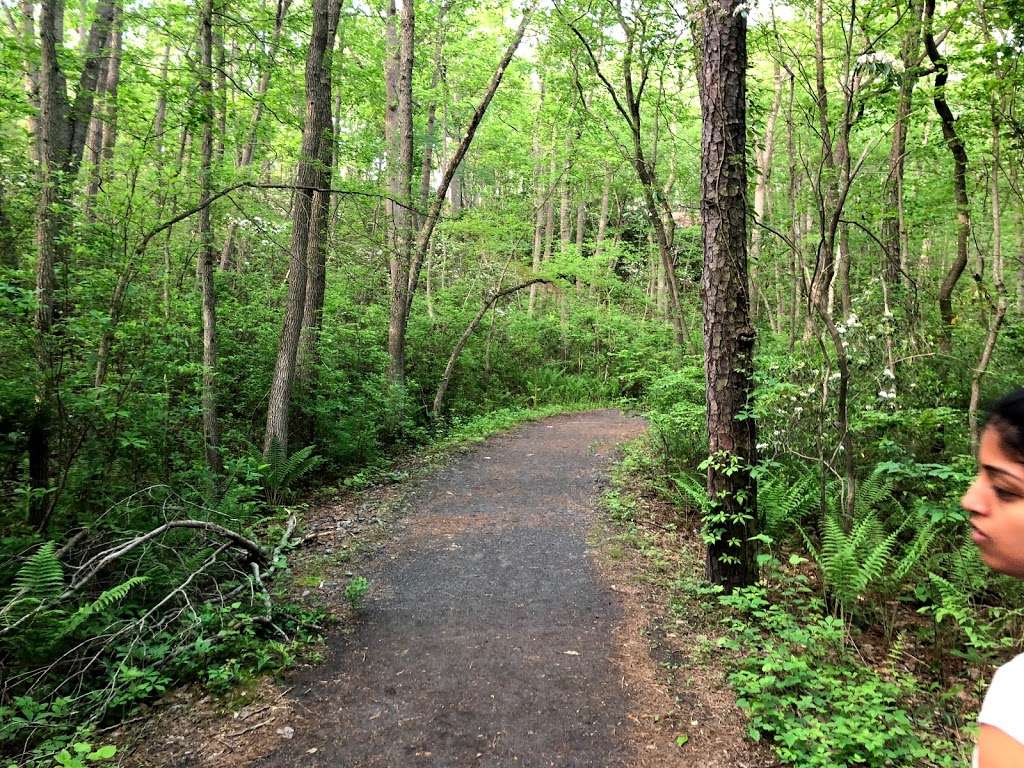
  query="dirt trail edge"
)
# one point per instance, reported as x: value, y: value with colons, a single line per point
x: 488, y: 638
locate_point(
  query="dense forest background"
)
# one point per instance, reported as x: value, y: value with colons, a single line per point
x: 242, y: 242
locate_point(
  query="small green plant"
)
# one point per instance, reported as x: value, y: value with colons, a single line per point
x: 281, y: 471
x: 813, y: 699
x: 355, y: 592
x: 82, y: 755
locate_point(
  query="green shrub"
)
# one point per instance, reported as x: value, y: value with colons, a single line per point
x: 813, y: 699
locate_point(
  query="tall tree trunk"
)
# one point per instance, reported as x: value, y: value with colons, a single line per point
x: 792, y: 195
x: 998, y: 311
x: 160, y: 114
x: 728, y: 334
x: 959, y: 153
x: 763, y: 159
x: 103, y: 126
x: 824, y: 267
x: 221, y: 85
x: 398, y: 139
x: 61, y: 130
x: 430, y: 137
x: 308, y: 216
x: 539, y: 208
x: 1019, y: 217
x: 31, y: 72
x: 602, y: 219
x: 892, y: 191
x: 401, y: 299
x: 316, y: 251
x: 211, y: 423
x: 227, y: 254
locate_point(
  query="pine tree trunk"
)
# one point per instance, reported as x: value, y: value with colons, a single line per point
x: 728, y: 334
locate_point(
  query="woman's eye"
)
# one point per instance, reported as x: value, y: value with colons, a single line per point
x: 1004, y: 494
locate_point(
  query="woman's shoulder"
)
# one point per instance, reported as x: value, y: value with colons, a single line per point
x: 1011, y: 670
x: 1002, y: 706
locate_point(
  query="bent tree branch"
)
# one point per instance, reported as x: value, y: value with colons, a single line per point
x: 449, y: 369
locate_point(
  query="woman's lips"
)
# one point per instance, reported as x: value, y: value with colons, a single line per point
x: 977, y: 535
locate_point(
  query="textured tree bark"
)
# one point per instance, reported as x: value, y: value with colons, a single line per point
x: 220, y: 84
x: 998, y: 311
x: 549, y: 220
x: 539, y: 208
x: 160, y: 114
x: 430, y: 135
x: 308, y: 216
x: 792, y: 195
x: 1019, y: 220
x: 824, y: 265
x: 763, y: 159
x: 564, y: 197
x: 316, y: 251
x: 728, y: 334
x: 27, y: 10
x: 211, y: 422
x: 956, y: 149
x: 227, y: 254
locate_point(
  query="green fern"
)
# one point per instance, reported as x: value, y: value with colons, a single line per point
x: 782, y: 504
x: 954, y: 603
x: 40, y: 580
x: 691, y: 492
x: 874, y: 493
x: 282, y: 471
x: 852, y: 562
x: 100, y: 605
x: 866, y: 556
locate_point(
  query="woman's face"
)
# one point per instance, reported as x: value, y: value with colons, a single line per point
x: 996, y: 503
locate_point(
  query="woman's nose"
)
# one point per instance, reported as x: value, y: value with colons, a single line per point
x: 974, y: 499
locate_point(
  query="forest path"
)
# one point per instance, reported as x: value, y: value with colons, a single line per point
x: 489, y: 636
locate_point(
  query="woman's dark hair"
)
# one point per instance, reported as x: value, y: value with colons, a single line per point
x: 1006, y: 417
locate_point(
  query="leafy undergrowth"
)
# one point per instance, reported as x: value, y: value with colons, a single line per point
x: 821, y: 691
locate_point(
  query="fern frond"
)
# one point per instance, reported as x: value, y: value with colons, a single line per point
x: 783, y: 504
x: 101, y: 604
x: 913, y: 554
x: 693, y: 491
x: 874, y: 493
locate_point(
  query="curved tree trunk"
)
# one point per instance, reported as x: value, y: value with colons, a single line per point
x: 453, y: 358
x: 956, y: 149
